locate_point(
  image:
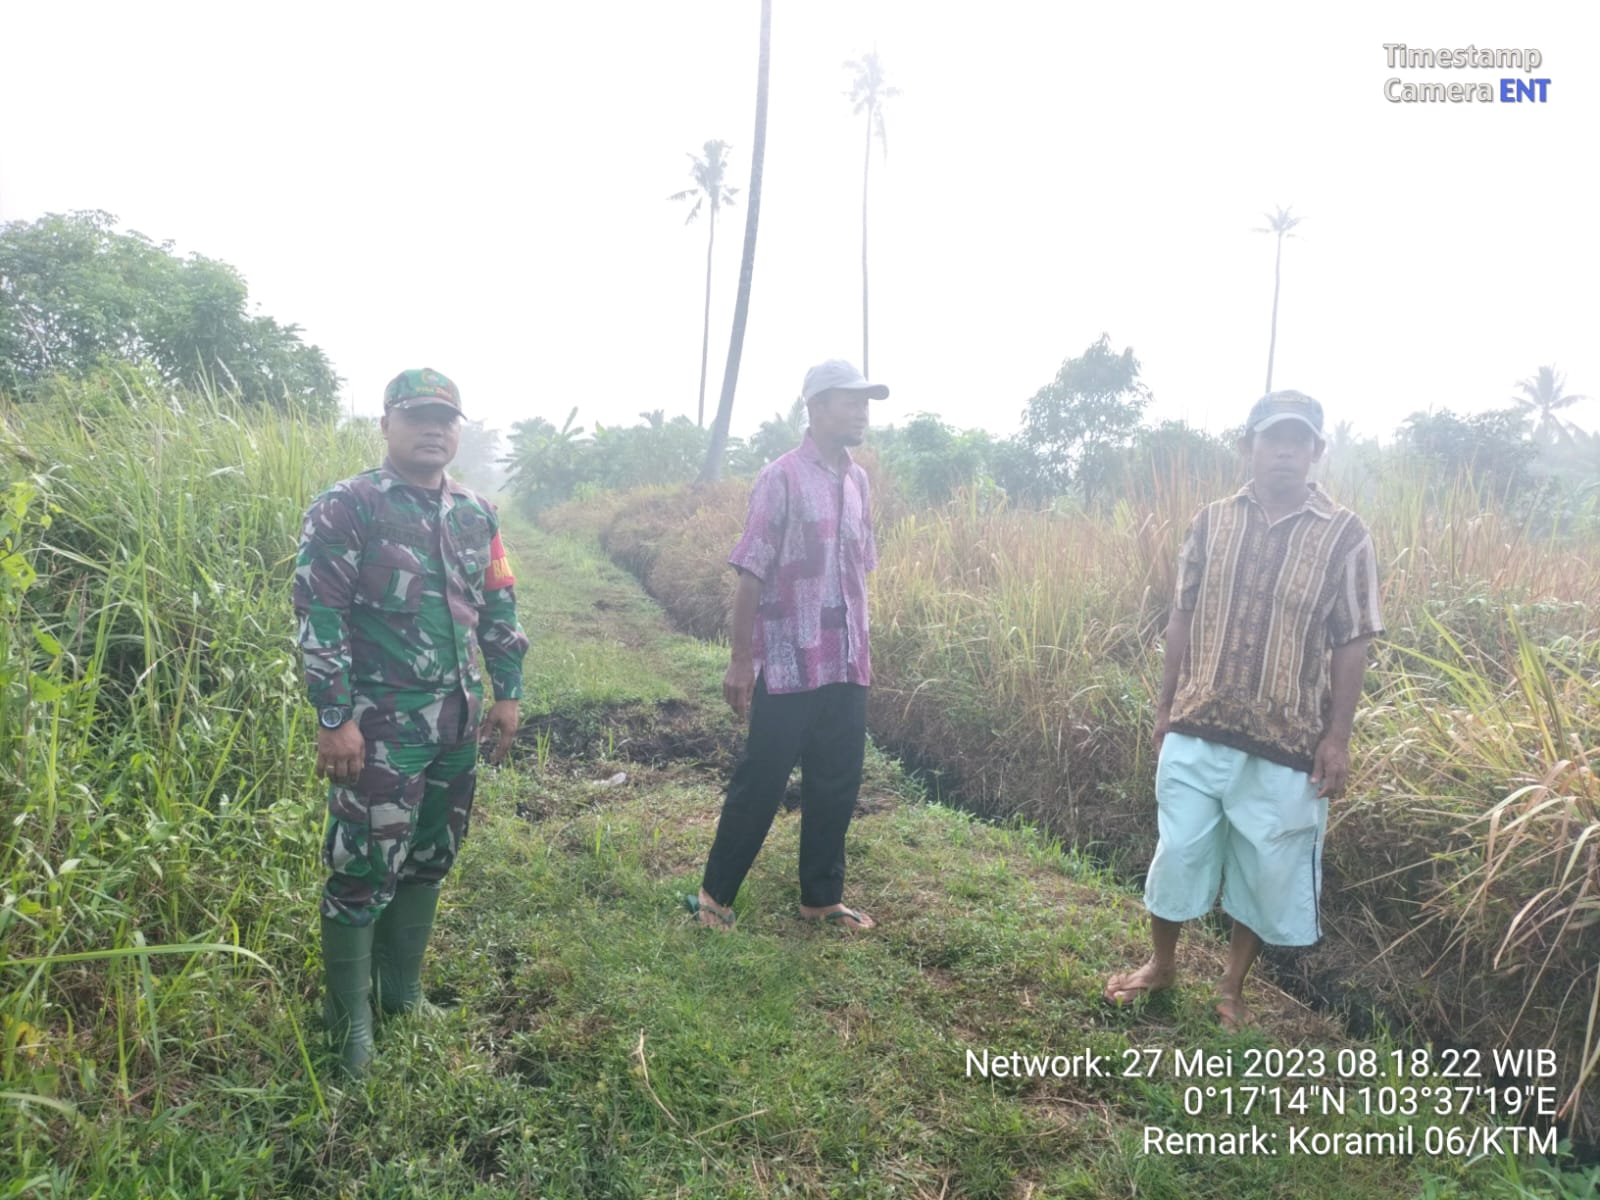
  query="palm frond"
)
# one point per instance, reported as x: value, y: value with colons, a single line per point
x: 868, y: 92
x: 1279, y: 222
x: 708, y: 171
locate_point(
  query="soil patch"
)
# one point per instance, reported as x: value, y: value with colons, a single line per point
x: 671, y: 731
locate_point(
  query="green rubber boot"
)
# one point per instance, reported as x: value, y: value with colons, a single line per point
x: 347, y: 1000
x: 403, y: 931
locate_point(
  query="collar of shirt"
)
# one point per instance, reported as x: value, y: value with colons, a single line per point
x: 811, y: 452
x: 1317, y: 501
x: 389, y: 478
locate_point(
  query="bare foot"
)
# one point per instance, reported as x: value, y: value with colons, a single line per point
x: 1146, y: 981
x: 1232, y: 1013
x: 837, y: 914
x: 708, y: 912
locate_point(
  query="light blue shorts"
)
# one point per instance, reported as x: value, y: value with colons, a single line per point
x: 1255, y: 827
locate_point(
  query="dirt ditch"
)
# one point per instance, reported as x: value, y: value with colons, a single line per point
x: 657, y: 734
x: 1338, y: 978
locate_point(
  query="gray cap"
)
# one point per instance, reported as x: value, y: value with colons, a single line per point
x: 836, y: 373
x: 1276, y: 407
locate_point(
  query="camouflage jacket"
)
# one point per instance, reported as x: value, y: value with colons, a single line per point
x: 397, y: 588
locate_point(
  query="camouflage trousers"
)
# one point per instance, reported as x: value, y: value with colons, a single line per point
x: 402, y: 822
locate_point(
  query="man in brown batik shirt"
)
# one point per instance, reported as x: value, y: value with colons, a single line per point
x: 1276, y: 600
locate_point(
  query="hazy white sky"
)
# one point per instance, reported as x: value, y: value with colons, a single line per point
x: 482, y: 189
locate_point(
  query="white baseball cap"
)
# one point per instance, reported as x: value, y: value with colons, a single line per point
x: 838, y: 374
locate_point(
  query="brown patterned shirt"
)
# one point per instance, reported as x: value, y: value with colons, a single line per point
x: 1270, y: 602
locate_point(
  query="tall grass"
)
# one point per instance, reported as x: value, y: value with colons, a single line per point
x: 1017, y: 654
x: 157, y: 847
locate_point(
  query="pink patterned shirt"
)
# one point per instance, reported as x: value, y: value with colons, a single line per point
x: 808, y: 539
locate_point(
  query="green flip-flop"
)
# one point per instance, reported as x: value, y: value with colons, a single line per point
x: 841, y: 914
x: 692, y: 903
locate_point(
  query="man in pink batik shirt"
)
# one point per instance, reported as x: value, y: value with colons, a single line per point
x: 800, y: 664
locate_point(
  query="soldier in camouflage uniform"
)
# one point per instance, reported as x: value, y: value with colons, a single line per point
x: 400, y: 580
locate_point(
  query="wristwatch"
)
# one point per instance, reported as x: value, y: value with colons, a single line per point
x: 332, y: 716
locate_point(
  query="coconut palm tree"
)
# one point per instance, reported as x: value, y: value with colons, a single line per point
x: 1543, y: 395
x: 712, y: 470
x: 868, y: 91
x: 1278, y: 223
x: 707, y: 173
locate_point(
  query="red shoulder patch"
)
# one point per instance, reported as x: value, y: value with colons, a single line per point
x: 499, y: 573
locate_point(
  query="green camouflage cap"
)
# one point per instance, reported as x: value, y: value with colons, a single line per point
x: 420, y: 388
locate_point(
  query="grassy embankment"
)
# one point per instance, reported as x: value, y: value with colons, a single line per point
x: 158, y: 971
x: 1016, y: 658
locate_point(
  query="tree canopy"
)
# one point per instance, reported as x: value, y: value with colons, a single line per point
x: 1091, y: 407
x: 76, y: 295
x: 1490, y: 449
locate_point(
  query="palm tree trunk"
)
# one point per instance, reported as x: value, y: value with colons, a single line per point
x: 1272, y: 344
x: 866, y: 167
x: 712, y: 470
x: 705, y: 329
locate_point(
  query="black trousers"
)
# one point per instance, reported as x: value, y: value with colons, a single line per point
x: 825, y: 730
